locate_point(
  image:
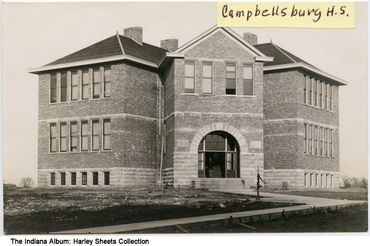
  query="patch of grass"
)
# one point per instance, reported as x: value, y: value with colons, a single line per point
x: 348, y: 219
x: 40, y: 210
x: 348, y: 194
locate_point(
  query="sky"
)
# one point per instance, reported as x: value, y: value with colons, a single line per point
x: 34, y: 34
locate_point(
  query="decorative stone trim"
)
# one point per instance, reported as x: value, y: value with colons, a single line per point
x: 219, y: 127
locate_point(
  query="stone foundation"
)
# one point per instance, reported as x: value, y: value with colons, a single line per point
x: 119, y: 177
x: 301, y: 179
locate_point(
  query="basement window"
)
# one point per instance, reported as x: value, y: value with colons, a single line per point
x: 95, y: 178
x: 52, y: 178
x: 84, y: 178
x: 73, y: 178
x: 63, y: 178
x: 106, y: 178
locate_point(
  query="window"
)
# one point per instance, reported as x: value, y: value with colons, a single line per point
x: 63, y: 87
x: 207, y: 77
x: 327, y: 141
x: 316, y: 180
x: 305, y: 139
x: 314, y: 137
x: 85, y: 84
x: 84, y: 178
x: 63, y: 178
x: 331, y: 145
x: 95, y: 178
x: 53, y: 137
x: 325, y: 97
x: 310, y: 139
x: 230, y: 79
x: 200, y: 160
x: 106, y: 178
x: 311, y: 179
x: 314, y: 92
x: 84, y: 135
x: 74, y: 136
x: 248, y: 80
x: 319, y: 86
x: 189, y: 86
x: 107, y: 81
x: 320, y: 141
x: 95, y: 135
x: 305, y: 179
x: 52, y: 178
x: 96, y: 82
x: 73, y: 178
x: 330, y: 97
x: 74, y: 86
x: 331, y: 180
x: 305, y: 89
x: 53, y: 88
x: 106, y: 134
x: 63, y: 137
x: 322, y: 180
x: 309, y: 91
x: 327, y: 180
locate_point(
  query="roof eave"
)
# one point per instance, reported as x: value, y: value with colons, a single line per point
x: 306, y: 67
x: 92, y: 61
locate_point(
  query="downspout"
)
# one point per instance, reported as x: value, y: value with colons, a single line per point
x: 159, y: 84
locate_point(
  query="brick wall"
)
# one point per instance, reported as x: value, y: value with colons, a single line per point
x: 284, y: 118
x: 133, y: 110
x: 196, y: 115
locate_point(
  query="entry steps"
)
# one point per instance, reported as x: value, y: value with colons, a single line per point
x: 219, y: 183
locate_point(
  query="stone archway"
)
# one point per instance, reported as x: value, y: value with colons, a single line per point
x: 225, y: 127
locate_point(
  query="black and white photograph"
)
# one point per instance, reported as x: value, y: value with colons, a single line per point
x: 150, y: 118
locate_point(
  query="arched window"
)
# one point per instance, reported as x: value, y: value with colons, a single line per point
x: 218, y: 154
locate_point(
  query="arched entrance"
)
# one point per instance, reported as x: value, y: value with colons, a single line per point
x: 218, y: 156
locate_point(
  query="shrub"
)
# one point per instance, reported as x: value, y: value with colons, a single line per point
x: 284, y: 186
x: 26, y: 182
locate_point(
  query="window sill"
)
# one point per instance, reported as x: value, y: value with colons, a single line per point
x: 81, y: 152
x: 189, y: 94
x: 236, y: 95
x: 328, y: 157
x: 315, y: 107
x: 79, y: 101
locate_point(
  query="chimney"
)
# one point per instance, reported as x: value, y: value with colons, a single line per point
x: 170, y: 44
x: 135, y: 33
x: 250, y: 38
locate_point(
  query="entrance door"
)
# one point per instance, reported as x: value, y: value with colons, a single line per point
x: 215, y: 165
x: 218, y: 155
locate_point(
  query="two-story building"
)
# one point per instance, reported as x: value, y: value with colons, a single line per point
x: 208, y: 114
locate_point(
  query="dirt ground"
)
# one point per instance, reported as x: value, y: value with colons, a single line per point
x: 42, y: 210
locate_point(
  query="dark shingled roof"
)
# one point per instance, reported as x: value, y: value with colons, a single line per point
x: 111, y: 47
x: 280, y: 55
